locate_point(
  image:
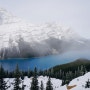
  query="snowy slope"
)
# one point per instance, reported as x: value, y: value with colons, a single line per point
x: 27, y: 40
x: 27, y: 81
x: 80, y: 82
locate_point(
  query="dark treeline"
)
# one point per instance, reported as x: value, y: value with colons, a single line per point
x: 65, y: 75
x: 65, y: 72
x: 19, y: 77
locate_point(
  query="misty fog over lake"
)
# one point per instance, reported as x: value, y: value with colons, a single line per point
x: 43, y: 62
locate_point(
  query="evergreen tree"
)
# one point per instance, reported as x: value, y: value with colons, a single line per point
x: 22, y: 77
x: 17, y: 79
x: 67, y: 78
x: 34, y: 84
x: 2, y: 82
x: 23, y: 86
x: 49, y: 85
x: 52, y: 72
x: 60, y: 74
x: 81, y: 70
x: 63, y: 82
x: 29, y: 73
x: 42, y: 86
x: 87, y: 84
x: 40, y: 73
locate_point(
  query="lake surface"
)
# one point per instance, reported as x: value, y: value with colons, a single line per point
x: 42, y: 62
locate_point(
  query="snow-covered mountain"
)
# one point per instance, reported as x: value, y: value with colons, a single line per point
x: 79, y: 83
x: 21, y: 39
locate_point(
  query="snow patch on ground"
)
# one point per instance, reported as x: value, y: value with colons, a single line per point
x: 80, y: 82
x: 56, y: 83
x: 27, y: 82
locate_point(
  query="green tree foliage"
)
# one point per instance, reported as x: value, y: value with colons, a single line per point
x: 42, y: 86
x: 17, y: 79
x: 30, y: 73
x: 49, y: 85
x: 65, y: 72
x: 2, y: 82
x: 23, y: 86
x: 87, y: 84
x: 22, y: 76
x: 34, y: 84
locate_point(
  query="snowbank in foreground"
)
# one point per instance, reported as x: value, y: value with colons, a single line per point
x: 79, y: 82
x: 27, y: 81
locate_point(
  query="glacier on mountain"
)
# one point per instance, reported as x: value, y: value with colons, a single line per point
x: 19, y: 39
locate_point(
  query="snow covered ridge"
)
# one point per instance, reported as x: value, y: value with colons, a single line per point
x: 28, y: 40
x: 79, y: 83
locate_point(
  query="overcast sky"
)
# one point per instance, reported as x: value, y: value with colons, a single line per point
x: 72, y: 13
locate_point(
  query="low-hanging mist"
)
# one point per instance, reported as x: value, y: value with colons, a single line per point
x: 19, y: 39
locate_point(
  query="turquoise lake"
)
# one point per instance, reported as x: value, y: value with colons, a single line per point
x: 42, y: 62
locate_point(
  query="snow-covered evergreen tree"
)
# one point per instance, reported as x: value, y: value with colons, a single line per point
x: 34, y: 84
x: 2, y: 82
x: 49, y: 85
x: 17, y: 80
x: 87, y: 84
x: 42, y: 86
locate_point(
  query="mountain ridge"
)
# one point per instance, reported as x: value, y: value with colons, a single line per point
x: 19, y: 39
x: 72, y: 65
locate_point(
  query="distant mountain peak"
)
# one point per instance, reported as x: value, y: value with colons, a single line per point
x: 7, y: 18
x: 28, y: 40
